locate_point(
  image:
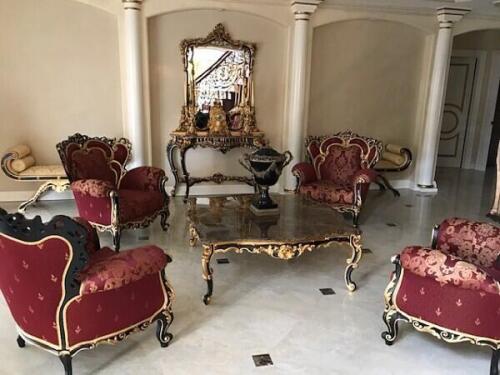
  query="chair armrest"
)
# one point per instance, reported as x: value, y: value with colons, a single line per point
x: 144, y: 179
x: 93, y: 188
x: 447, y: 269
x: 304, y: 172
x: 364, y: 176
x: 109, y: 270
x: 92, y: 238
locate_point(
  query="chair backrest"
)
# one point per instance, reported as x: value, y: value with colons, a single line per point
x: 39, y: 272
x: 473, y: 241
x: 338, y: 157
x: 98, y: 158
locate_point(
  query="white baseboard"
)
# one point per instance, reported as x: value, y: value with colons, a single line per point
x: 397, y: 184
x: 24, y: 195
x: 208, y: 189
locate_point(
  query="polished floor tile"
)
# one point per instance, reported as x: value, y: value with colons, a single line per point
x: 264, y: 305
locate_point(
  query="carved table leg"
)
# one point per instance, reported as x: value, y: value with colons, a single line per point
x: 208, y: 251
x: 193, y: 235
x: 353, y: 261
x: 171, y: 147
x: 185, y: 173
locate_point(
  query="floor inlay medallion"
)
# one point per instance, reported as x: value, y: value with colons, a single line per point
x: 327, y: 291
x: 262, y: 360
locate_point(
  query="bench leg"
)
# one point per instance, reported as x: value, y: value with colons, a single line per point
x: 56, y: 185
x: 41, y: 191
x: 386, y: 182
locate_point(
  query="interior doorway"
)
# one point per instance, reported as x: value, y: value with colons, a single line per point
x: 457, y: 111
x: 495, y: 133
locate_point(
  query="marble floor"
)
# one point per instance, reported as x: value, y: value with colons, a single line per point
x: 262, y: 305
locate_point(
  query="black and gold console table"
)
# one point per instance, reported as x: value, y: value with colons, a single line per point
x: 182, y: 142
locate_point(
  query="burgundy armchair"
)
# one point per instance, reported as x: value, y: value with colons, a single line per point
x: 106, y: 194
x: 339, y: 170
x: 67, y: 294
x: 452, y: 289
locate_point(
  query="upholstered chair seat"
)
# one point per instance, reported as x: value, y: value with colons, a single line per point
x: 106, y: 194
x: 451, y: 289
x: 339, y: 172
x: 67, y: 294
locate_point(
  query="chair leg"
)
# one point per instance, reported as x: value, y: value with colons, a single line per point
x: 116, y: 239
x: 163, y: 221
x: 164, y: 321
x: 20, y: 342
x: 355, y: 218
x: 66, y: 361
x: 495, y: 355
x: 391, y: 319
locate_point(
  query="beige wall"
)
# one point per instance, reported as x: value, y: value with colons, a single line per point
x: 489, y: 41
x: 166, y: 80
x: 366, y: 76
x: 59, y: 74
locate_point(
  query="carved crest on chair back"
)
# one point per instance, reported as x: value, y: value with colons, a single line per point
x: 100, y: 158
x: 320, y: 146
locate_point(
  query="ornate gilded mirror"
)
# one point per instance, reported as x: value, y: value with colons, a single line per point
x: 219, y: 92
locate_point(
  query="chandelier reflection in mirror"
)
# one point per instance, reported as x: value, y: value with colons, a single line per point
x: 219, y: 92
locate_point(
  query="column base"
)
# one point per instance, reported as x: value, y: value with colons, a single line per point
x: 427, y: 188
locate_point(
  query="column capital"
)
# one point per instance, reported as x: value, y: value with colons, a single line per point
x: 302, y: 9
x: 448, y: 16
x: 132, y: 4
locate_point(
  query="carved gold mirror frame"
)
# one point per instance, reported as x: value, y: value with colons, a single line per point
x: 243, y: 108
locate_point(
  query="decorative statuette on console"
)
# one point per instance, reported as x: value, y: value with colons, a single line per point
x: 266, y: 165
x: 217, y: 124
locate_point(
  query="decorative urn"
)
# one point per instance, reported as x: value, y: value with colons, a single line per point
x: 266, y: 165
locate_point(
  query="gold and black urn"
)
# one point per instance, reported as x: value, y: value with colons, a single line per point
x: 266, y: 165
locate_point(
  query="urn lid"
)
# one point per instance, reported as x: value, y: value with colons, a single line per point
x: 266, y: 154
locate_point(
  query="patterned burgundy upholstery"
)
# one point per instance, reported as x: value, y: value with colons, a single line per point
x: 110, y: 270
x: 108, y: 195
x: 65, y: 293
x: 340, y: 170
x: 475, y: 242
x: 452, y: 289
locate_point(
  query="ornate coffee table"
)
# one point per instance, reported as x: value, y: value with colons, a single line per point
x: 227, y: 224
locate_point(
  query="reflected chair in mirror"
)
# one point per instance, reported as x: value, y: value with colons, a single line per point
x: 67, y: 294
x: 451, y: 289
x: 339, y: 171
x: 106, y: 194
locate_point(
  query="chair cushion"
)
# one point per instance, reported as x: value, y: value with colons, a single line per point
x: 328, y: 192
x: 110, y: 270
x: 135, y: 205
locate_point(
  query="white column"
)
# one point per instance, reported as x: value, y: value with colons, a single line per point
x: 300, y: 47
x: 427, y: 155
x: 135, y: 119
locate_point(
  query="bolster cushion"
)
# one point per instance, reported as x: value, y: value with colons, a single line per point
x: 21, y: 150
x: 19, y: 165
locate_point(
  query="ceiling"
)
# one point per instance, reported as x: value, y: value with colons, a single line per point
x: 478, y: 7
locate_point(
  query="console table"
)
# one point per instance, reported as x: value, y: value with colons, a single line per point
x: 182, y: 141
